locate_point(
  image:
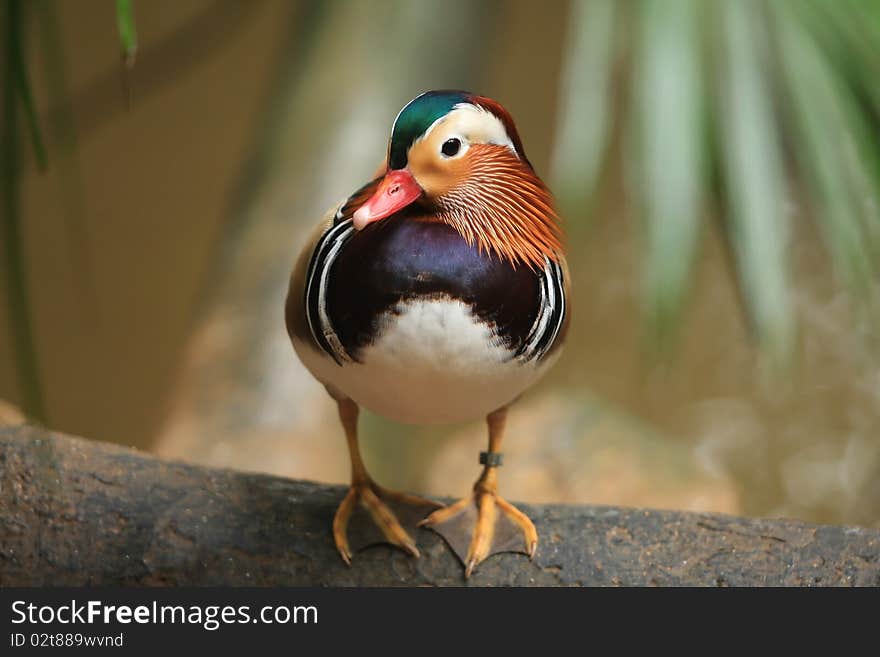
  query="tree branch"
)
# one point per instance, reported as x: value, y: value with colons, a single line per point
x: 77, y: 512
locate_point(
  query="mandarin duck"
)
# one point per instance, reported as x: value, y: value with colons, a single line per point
x: 436, y: 293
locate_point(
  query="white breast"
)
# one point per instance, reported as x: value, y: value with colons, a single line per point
x: 434, y: 362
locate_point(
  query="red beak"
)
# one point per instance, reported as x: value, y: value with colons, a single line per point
x: 397, y: 190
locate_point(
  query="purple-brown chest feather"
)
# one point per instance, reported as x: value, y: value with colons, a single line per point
x: 404, y: 259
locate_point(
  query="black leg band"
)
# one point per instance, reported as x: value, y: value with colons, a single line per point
x: 491, y: 459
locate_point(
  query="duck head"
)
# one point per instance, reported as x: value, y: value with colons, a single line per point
x: 458, y: 157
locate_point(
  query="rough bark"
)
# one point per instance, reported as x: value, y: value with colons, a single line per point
x: 77, y: 512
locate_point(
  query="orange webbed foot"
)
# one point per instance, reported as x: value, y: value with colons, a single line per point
x: 482, y: 525
x: 389, y: 515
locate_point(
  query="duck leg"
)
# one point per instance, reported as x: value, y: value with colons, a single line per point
x: 485, y: 523
x: 388, y: 513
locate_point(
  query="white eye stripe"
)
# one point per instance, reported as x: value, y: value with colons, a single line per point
x: 472, y: 125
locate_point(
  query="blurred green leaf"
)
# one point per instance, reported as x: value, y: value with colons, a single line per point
x: 783, y: 94
x: 21, y: 85
x: 15, y: 273
x: 827, y: 128
x: 583, y: 124
x: 68, y: 178
x: 127, y: 34
x: 757, y: 224
x: 849, y: 36
x: 667, y: 120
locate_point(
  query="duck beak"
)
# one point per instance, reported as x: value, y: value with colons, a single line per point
x: 397, y: 190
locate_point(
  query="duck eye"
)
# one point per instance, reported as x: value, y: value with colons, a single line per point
x: 451, y: 147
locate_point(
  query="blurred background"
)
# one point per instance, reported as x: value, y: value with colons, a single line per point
x: 717, y: 165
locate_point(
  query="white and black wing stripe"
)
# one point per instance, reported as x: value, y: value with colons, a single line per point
x: 551, y: 313
x: 326, y: 251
